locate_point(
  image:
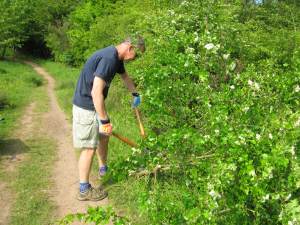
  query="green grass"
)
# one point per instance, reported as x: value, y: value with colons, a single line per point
x: 31, y: 184
x: 17, y: 84
x: 118, y: 104
x: 66, y: 78
x: 29, y: 181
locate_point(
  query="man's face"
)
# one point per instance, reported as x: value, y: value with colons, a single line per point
x: 130, y: 53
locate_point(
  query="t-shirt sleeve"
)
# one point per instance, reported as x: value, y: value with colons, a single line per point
x: 121, y: 68
x: 105, y: 69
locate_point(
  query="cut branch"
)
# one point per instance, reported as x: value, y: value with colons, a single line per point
x: 163, y: 168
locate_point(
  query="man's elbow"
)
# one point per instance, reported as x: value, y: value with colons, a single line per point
x: 96, y: 95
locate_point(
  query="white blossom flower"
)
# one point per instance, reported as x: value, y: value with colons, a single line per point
x: 237, y: 143
x: 293, y: 150
x: 190, y: 50
x: 256, y: 86
x: 214, y: 194
x: 288, y: 197
x: 265, y: 198
x: 217, y: 131
x: 232, y: 66
x: 280, y: 215
x: 297, y: 123
x: 209, y: 46
x: 226, y: 56
x: 242, y: 139
x: 252, y: 173
x: 171, y: 12
x: 186, y: 64
x: 258, y: 136
x: 186, y: 136
x: 245, y: 109
x: 232, y: 87
x: 184, y: 3
x: 270, y: 136
x: 206, y: 137
x: 297, y: 88
x: 270, y: 175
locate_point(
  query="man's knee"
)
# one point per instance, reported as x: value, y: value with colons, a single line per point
x: 88, y: 151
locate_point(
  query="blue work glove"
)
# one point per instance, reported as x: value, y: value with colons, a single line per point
x: 136, y: 100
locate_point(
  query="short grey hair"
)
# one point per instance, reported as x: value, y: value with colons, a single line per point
x: 138, y: 42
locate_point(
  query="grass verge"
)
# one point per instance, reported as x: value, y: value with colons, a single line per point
x: 28, y: 180
x: 17, y: 84
x: 31, y: 184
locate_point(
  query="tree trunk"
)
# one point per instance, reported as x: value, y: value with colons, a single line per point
x: 3, y: 52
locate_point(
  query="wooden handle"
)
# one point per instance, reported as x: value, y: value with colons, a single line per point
x: 124, y: 139
x: 138, y: 116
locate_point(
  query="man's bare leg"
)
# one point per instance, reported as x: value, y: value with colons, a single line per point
x: 84, y: 164
x: 102, y: 150
x: 86, y: 191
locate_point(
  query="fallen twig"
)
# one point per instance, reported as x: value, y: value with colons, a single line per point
x: 163, y: 168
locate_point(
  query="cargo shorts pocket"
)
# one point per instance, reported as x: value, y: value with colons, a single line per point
x: 84, y: 125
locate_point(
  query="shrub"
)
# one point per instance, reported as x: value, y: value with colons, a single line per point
x: 4, y: 101
x: 36, y: 81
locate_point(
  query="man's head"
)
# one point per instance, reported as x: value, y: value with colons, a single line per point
x: 130, y: 48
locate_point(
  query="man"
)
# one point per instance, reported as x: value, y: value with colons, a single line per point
x: 91, y: 124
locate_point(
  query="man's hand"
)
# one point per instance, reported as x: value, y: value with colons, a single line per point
x: 105, y: 127
x: 136, y: 100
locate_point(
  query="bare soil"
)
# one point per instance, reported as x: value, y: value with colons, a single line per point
x: 65, y: 173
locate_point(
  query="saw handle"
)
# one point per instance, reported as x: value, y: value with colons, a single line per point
x: 138, y: 116
x: 124, y: 139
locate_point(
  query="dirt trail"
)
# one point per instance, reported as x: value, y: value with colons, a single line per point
x: 65, y: 174
x: 15, y: 155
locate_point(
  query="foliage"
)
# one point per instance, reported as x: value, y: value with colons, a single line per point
x: 13, y: 22
x: 220, y: 84
x: 24, y: 23
x: 99, y: 215
x: 222, y: 97
x: 89, y: 27
x: 220, y: 87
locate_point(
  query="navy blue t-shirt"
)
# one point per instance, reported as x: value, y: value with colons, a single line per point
x: 104, y: 64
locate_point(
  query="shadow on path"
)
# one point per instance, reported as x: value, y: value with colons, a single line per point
x: 12, y: 149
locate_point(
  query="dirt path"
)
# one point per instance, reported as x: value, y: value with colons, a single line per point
x: 65, y: 174
x: 15, y: 155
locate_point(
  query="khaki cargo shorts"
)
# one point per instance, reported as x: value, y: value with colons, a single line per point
x: 85, y: 128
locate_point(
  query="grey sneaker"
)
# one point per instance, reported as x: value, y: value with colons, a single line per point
x: 92, y: 194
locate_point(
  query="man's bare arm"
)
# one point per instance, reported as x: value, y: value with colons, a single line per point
x: 98, y: 98
x: 128, y: 82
